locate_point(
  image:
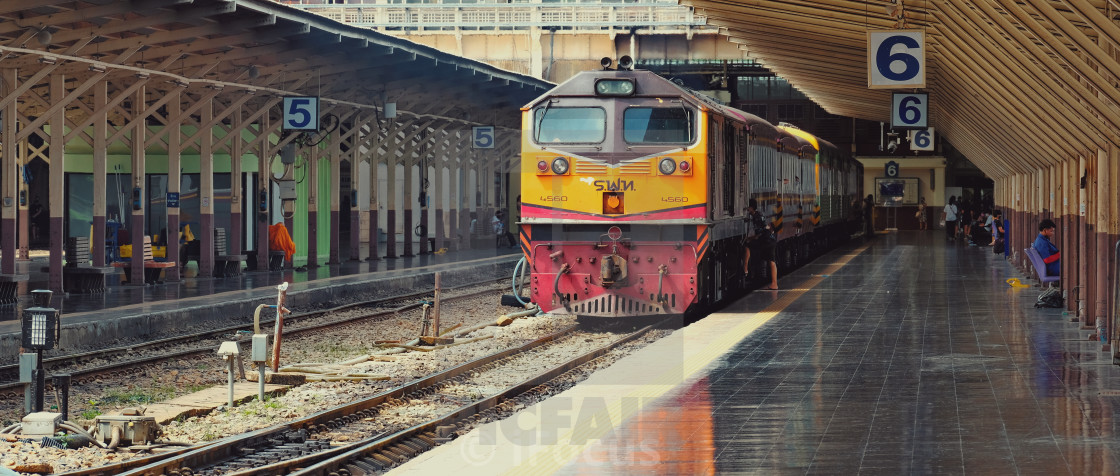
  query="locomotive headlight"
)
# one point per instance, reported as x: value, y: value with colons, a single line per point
x: 667, y: 166
x: 560, y: 166
x: 614, y: 87
x: 542, y: 166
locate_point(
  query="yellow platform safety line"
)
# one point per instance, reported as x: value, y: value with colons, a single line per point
x: 556, y: 456
x: 1014, y: 282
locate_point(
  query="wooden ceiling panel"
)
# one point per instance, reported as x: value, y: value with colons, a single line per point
x: 1037, y: 74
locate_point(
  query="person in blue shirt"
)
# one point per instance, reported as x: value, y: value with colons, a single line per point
x: 1046, y: 249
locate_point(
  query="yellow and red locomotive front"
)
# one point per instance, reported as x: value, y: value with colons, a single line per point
x: 614, y: 186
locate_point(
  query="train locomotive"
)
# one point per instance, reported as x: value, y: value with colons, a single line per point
x: 634, y: 193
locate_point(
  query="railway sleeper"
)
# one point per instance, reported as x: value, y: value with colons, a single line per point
x: 384, y: 460
x: 403, y: 449
x: 368, y: 464
x: 417, y: 445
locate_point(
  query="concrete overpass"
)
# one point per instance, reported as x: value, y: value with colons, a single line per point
x: 550, y: 41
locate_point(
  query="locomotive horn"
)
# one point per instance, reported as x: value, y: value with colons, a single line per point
x: 606, y: 62
x: 626, y: 62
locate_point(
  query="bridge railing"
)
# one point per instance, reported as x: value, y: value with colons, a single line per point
x: 656, y: 14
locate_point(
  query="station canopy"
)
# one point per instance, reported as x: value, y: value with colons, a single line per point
x: 251, y: 46
x: 1016, y: 85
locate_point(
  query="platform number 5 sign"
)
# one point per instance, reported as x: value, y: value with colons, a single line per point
x: 896, y: 59
x: 483, y: 137
x: 301, y: 113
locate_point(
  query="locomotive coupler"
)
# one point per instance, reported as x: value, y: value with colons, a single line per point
x: 612, y: 271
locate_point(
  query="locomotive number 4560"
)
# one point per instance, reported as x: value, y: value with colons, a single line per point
x: 675, y: 199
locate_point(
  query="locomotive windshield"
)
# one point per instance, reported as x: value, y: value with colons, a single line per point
x: 570, y: 125
x: 657, y: 125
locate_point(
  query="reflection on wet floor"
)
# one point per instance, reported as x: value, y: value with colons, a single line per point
x: 915, y: 358
x: 192, y: 285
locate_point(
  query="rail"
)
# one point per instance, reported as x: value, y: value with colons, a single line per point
x: 596, y: 16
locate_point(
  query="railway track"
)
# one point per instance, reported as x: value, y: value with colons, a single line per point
x: 310, y: 445
x: 204, y: 342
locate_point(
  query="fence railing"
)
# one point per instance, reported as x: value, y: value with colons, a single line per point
x: 504, y: 16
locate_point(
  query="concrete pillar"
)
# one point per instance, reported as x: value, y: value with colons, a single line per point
x: 355, y: 158
x: 1082, y: 241
x: 206, y: 193
x: 313, y: 207
x: 23, y: 210
x: 1104, y: 254
x: 438, y: 194
x: 57, y: 153
x: 236, y: 195
x: 334, y: 257
x: 136, y: 221
x: 9, y: 173
x: 391, y: 205
x: 264, y: 189
x: 100, y: 153
x: 454, y: 205
x: 409, y: 199
x: 174, y: 183
x: 374, y: 204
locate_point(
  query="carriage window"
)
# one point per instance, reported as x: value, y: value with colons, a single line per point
x: 570, y: 125
x: 657, y: 125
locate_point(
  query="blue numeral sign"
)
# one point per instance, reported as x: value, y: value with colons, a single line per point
x: 922, y: 139
x: 896, y: 59
x: 910, y: 111
x: 301, y: 114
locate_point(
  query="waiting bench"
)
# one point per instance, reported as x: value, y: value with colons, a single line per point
x: 1040, y: 266
x: 152, y: 268
x: 78, y: 276
x: 225, y: 264
x: 9, y: 287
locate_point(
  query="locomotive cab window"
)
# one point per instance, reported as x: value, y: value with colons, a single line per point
x: 657, y: 125
x: 570, y: 125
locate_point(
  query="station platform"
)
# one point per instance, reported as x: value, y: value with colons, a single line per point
x: 136, y: 312
x: 904, y: 354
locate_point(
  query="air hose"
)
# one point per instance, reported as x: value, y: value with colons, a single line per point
x: 518, y: 278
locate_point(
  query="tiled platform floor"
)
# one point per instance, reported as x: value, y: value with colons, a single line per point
x: 914, y: 357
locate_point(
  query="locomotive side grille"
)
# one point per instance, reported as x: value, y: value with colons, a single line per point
x: 585, y: 168
x: 634, y: 169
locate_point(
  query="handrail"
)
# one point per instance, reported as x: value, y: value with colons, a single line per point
x: 486, y: 16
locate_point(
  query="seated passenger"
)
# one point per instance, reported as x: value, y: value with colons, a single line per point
x: 1046, y: 249
x: 280, y: 240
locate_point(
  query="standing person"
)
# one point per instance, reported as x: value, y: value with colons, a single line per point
x: 1046, y: 248
x: 965, y: 217
x: 39, y: 223
x: 761, y: 239
x: 499, y: 228
x: 949, y: 216
x: 922, y: 214
x: 998, y: 232
x: 868, y: 208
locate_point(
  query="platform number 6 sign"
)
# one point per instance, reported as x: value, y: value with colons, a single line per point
x: 910, y: 111
x: 896, y: 59
x: 922, y: 139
